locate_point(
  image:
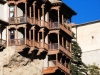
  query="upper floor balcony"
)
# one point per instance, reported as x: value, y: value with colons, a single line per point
x: 32, y: 21
x: 31, y: 43
x: 65, y: 28
x: 56, y: 48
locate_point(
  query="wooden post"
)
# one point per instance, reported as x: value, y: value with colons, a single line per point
x: 43, y: 13
x: 70, y: 46
x: 34, y: 11
x: 66, y: 45
x: 30, y: 11
x: 7, y: 35
x: 62, y: 19
x: 39, y: 16
x: 16, y: 13
x: 63, y: 41
x: 58, y: 18
x: 25, y: 34
x: 48, y: 17
x: 16, y: 35
x: 58, y: 41
x: 30, y: 37
x: 34, y: 37
x: 26, y: 11
x: 43, y: 39
x: 56, y: 59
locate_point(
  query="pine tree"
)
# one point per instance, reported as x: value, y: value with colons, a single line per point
x: 77, y: 66
x: 93, y: 70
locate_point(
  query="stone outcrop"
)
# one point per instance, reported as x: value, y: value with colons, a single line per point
x: 13, y: 63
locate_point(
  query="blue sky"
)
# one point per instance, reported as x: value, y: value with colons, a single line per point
x: 87, y: 10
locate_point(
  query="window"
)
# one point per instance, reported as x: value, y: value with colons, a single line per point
x: 12, y: 34
x: 12, y: 11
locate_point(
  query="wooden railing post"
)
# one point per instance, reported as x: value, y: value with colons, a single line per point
x: 34, y: 11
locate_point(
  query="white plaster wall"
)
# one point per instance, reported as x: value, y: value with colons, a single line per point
x: 6, y: 12
x: 19, y: 12
x: 46, y: 62
x: 2, y: 11
x: 90, y: 46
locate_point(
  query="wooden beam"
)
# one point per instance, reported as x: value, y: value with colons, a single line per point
x: 25, y: 34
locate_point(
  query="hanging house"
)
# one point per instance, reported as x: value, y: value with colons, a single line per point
x: 41, y: 25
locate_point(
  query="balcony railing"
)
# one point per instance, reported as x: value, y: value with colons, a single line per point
x: 55, y: 63
x: 54, y: 25
x: 44, y: 24
x: 16, y: 20
x: 16, y: 42
x: 54, y: 46
x: 63, y: 67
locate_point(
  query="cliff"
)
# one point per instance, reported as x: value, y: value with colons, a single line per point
x: 14, y: 63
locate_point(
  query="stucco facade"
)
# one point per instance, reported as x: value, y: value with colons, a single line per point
x: 88, y: 38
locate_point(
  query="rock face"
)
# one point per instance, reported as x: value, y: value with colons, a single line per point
x: 13, y: 63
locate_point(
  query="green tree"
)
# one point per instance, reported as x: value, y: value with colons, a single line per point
x: 77, y: 66
x: 93, y: 70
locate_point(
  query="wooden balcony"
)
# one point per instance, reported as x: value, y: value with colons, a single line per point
x: 16, y: 42
x: 44, y: 24
x: 59, y: 65
x: 55, y: 65
x: 43, y: 46
x: 53, y: 49
x: 55, y: 25
x: 19, y: 20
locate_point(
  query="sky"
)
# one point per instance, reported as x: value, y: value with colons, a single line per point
x: 87, y: 10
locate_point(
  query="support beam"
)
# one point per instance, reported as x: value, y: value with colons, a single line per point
x: 62, y: 19
x: 26, y: 10
x: 30, y: 12
x: 43, y: 39
x: 34, y: 37
x: 63, y: 41
x: 58, y: 41
x: 7, y: 35
x: 39, y: 16
x: 30, y: 37
x: 34, y: 11
x: 58, y: 17
x: 43, y: 14
x: 25, y: 34
x: 16, y: 35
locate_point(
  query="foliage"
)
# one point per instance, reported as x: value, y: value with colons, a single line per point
x: 77, y: 66
x: 93, y: 70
